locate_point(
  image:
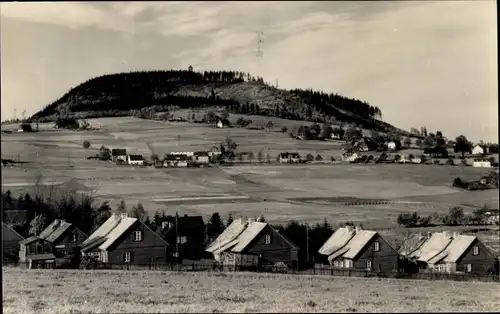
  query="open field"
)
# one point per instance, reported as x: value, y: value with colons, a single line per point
x: 49, y: 291
x: 278, y: 192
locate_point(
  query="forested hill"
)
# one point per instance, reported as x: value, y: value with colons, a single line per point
x: 118, y: 94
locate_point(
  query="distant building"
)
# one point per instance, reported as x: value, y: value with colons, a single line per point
x: 202, y: 157
x: 477, y: 150
x: 119, y: 154
x: 289, y: 158
x: 350, y: 157
x: 391, y: 145
x: 223, y: 123
x: 10, y: 241
x: 137, y: 160
x: 416, y: 160
x: 481, y: 163
x: 190, y: 68
x: 25, y: 127
x: 176, y: 160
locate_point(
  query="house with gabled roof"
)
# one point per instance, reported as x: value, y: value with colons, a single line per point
x: 125, y: 240
x: 60, y: 239
x: 449, y: 253
x: 10, y: 242
x: 246, y: 243
x: 357, y: 249
x: 119, y: 154
x: 137, y: 160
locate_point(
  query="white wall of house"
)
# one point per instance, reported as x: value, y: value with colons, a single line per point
x: 136, y: 162
x: 220, y: 124
x: 477, y: 150
x: 482, y: 164
x: 203, y: 159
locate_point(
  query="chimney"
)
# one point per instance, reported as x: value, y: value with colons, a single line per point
x: 123, y: 215
x: 447, y: 234
x: 429, y: 234
x: 358, y: 229
x: 251, y: 220
x: 349, y: 229
x: 455, y: 235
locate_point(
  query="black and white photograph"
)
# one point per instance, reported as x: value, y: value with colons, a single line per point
x: 250, y: 156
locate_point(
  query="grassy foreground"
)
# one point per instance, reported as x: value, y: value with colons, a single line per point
x: 46, y: 291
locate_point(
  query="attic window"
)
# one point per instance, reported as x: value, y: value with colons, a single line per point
x: 475, y: 250
x: 126, y: 257
x: 376, y: 246
x: 137, y: 236
x: 468, y: 268
x: 267, y: 239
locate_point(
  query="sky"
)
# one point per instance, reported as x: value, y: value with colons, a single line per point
x: 431, y: 63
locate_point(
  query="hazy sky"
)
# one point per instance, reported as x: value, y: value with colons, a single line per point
x: 422, y: 62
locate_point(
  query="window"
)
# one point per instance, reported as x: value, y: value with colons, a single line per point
x: 475, y: 250
x: 268, y: 239
x: 182, y: 240
x: 336, y: 263
x: 468, y: 268
x: 341, y: 264
x: 126, y: 257
x: 368, y: 265
x: 376, y: 246
x: 348, y: 263
x: 137, y: 236
x: 73, y: 237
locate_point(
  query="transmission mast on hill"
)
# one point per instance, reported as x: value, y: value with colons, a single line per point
x: 260, y: 42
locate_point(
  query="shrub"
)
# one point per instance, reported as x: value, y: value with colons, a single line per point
x: 86, y: 144
x: 436, y: 162
x: 284, y: 129
x: 450, y: 162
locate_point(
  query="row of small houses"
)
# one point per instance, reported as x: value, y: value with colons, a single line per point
x: 246, y: 244
x: 174, y: 159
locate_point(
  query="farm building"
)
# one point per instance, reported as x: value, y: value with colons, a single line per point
x: 62, y: 237
x: 355, y: 248
x: 137, y: 160
x: 125, y: 240
x: 119, y: 154
x: 172, y: 160
x: 223, y: 123
x: 189, y: 154
x: 350, y: 157
x: 10, y: 242
x: 185, y: 236
x: 246, y: 243
x: 478, y: 150
x: 337, y: 134
x: 158, y: 163
x: 36, y: 252
x: 448, y: 252
x: 289, y: 158
x: 202, y: 157
x: 391, y: 145
x: 416, y: 160
x: 403, y: 160
x: 25, y: 127
x: 481, y: 163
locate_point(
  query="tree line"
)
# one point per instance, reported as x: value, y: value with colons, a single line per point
x: 30, y: 214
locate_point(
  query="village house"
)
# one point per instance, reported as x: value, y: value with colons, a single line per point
x: 350, y: 157
x: 137, y: 160
x: 449, y: 253
x: 10, y: 242
x: 481, y: 163
x: 158, y: 163
x: 416, y: 160
x: 289, y: 158
x: 337, y: 134
x: 391, y: 145
x: 176, y: 160
x: 59, y: 239
x: 202, y: 157
x: 357, y: 249
x: 223, y: 123
x: 246, y: 243
x: 125, y: 240
x: 478, y: 150
x: 185, y: 236
x: 119, y: 154
x: 403, y: 159
x: 25, y: 127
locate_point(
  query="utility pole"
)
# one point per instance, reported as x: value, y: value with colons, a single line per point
x: 176, y: 238
x: 307, y: 241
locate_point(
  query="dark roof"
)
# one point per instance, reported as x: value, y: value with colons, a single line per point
x: 93, y: 243
x: 118, y: 152
x: 176, y: 157
x: 295, y: 155
x: 284, y: 155
x: 199, y: 154
x: 136, y: 157
x: 9, y: 234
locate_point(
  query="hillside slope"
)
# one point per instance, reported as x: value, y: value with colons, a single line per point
x: 117, y: 94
